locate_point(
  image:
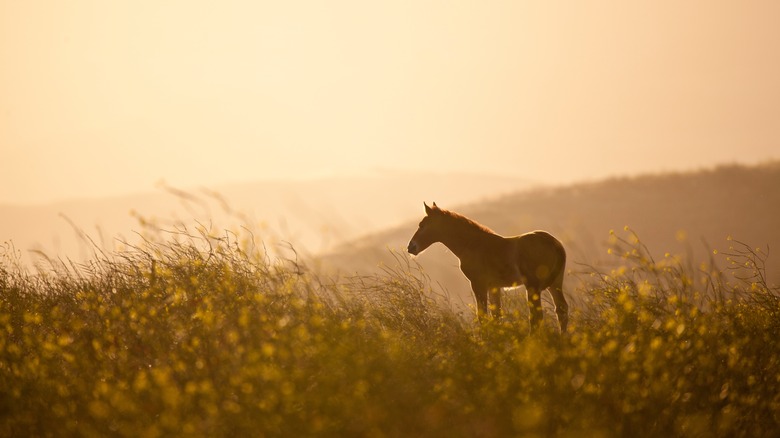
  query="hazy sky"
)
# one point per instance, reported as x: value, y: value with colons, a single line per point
x: 104, y: 97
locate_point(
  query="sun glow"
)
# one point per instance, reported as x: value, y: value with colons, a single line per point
x: 99, y: 98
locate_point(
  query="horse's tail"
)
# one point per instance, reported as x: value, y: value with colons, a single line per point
x: 556, y: 289
x: 560, y: 267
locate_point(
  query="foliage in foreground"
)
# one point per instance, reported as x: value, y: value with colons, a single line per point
x: 201, y: 336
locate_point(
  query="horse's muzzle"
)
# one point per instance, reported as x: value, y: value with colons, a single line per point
x: 412, y: 248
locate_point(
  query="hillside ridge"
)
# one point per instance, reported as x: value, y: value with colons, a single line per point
x: 691, y: 213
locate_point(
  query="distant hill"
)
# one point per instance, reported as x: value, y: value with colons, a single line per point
x: 674, y: 212
x: 314, y: 215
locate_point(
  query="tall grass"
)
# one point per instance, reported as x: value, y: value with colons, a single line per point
x: 197, y: 335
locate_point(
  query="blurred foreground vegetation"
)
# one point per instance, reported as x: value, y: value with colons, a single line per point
x: 197, y: 335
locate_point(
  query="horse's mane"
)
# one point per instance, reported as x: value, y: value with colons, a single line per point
x: 463, y: 220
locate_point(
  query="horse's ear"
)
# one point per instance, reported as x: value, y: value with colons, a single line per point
x: 435, y: 206
x: 428, y: 209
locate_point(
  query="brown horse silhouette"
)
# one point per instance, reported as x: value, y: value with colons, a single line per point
x: 492, y: 262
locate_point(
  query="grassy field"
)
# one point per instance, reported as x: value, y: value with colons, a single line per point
x: 196, y: 335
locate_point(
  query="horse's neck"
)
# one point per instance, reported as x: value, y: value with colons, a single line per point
x: 467, y: 241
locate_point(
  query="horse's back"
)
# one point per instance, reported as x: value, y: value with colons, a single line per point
x: 540, y: 240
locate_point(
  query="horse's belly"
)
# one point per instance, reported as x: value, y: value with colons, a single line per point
x: 507, y: 276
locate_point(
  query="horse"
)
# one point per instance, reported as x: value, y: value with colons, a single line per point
x: 492, y: 262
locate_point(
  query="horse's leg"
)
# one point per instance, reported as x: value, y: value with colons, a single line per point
x: 481, y: 295
x: 534, y: 306
x: 495, y: 301
x: 561, y: 307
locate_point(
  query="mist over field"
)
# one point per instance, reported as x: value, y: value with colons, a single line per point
x: 312, y: 216
x: 341, y: 224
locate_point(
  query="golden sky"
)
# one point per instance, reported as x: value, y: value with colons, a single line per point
x: 106, y: 97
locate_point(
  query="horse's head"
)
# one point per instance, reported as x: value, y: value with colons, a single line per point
x: 428, y: 231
